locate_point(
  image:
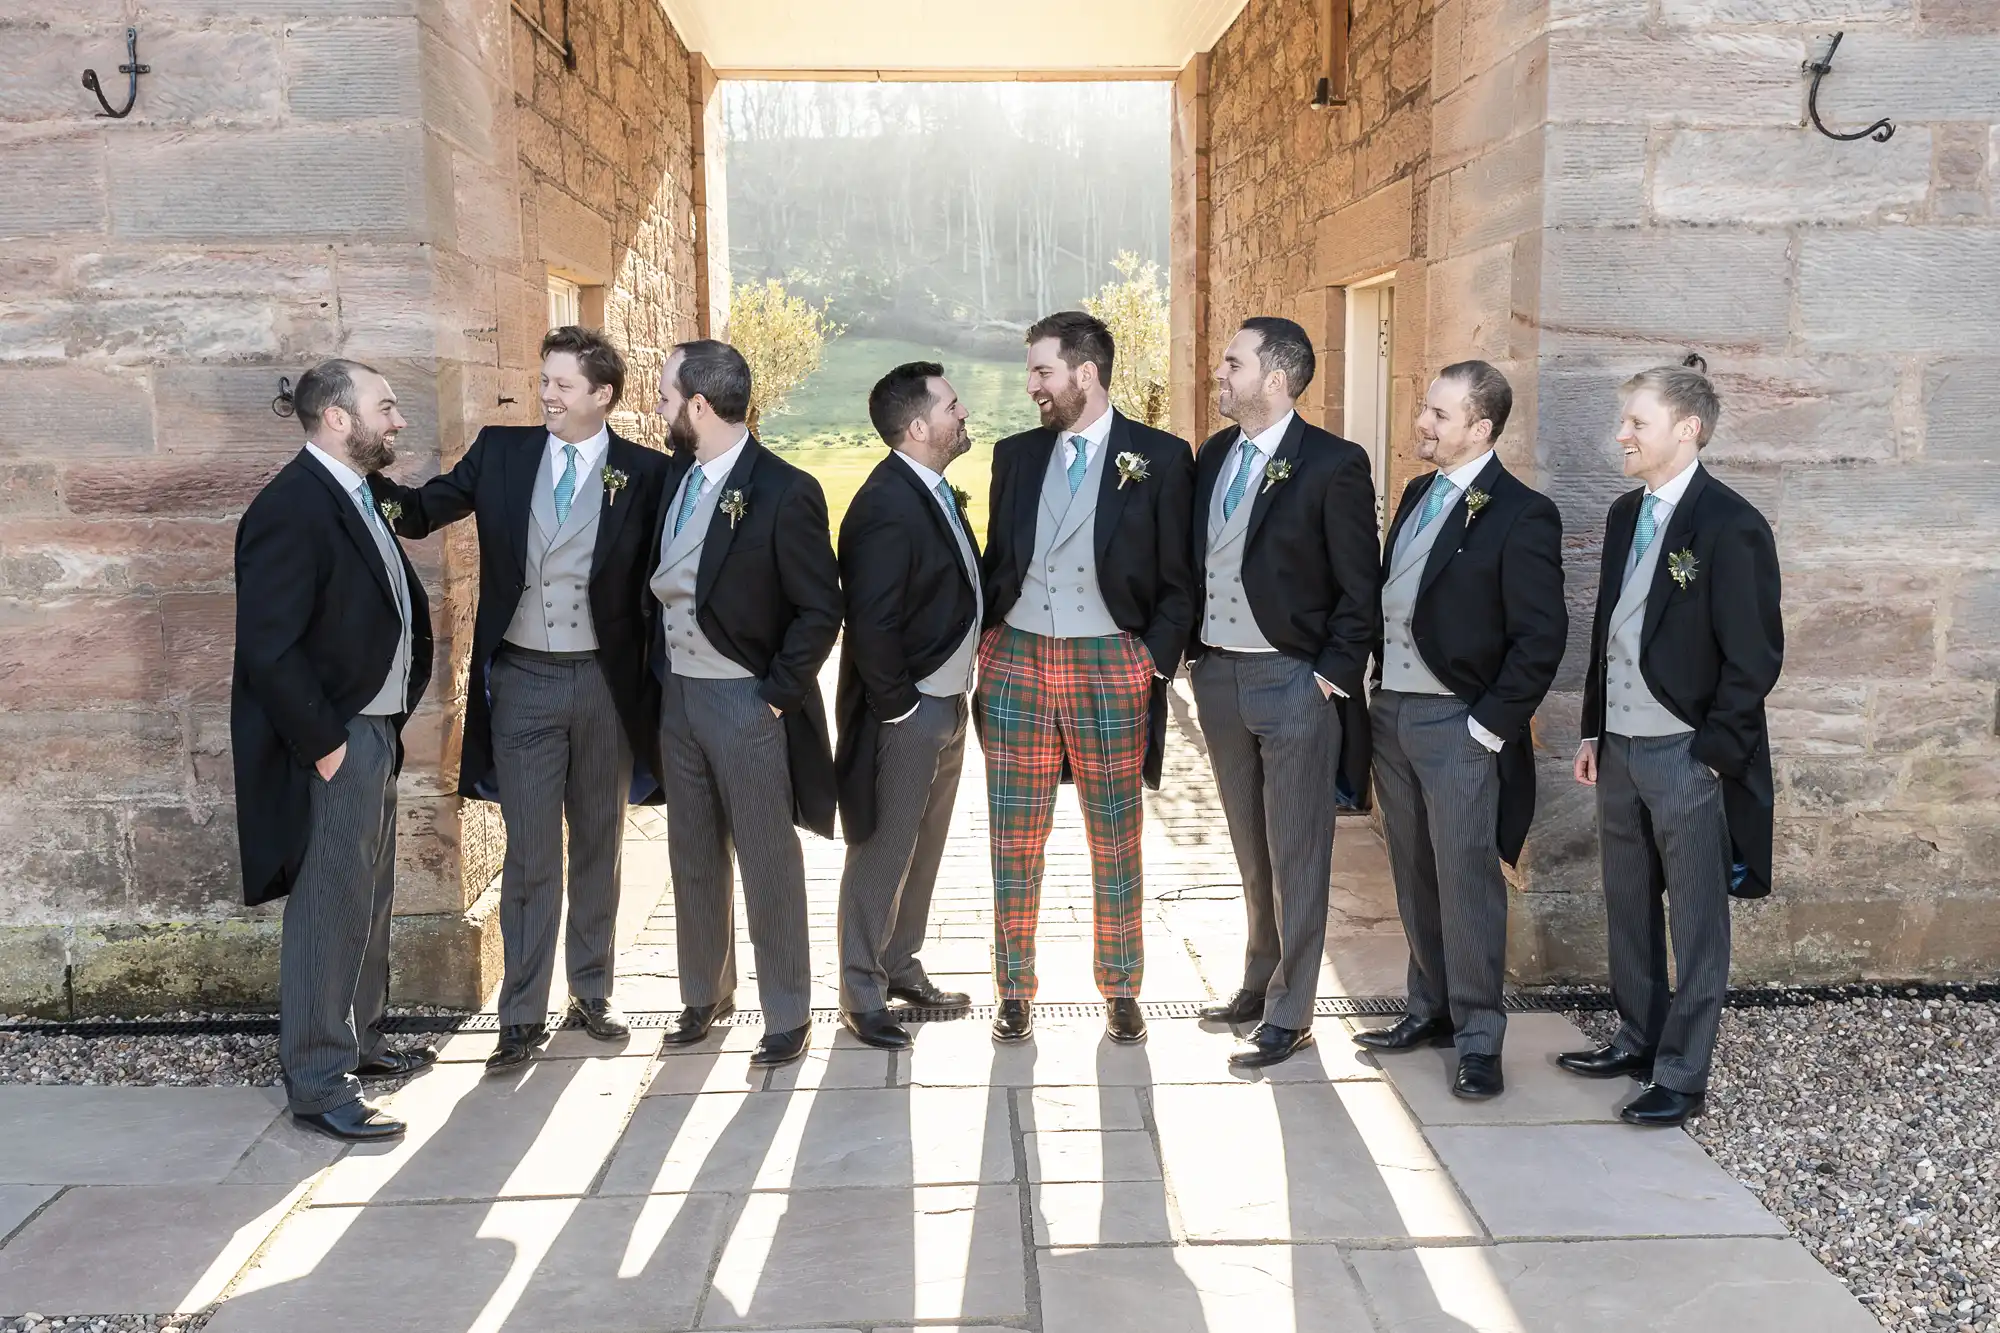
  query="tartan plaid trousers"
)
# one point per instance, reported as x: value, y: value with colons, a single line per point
x: 1041, y: 700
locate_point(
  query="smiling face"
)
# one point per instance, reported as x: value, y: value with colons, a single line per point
x: 1060, y: 391
x: 573, y: 407
x: 370, y: 430
x: 1445, y: 438
x: 941, y: 431
x: 1244, y: 391
x: 1656, y: 447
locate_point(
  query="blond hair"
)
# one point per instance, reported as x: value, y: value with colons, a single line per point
x: 1686, y: 392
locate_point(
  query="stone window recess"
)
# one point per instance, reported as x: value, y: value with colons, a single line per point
x: 575, y: 302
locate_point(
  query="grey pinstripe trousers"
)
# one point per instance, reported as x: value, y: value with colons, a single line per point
x: 1440, y: 795
x: 558, y: 750
x: 333, y: 967
x: 887, y: 881
x: 1663, y: 832
x: 729, y: 789
x: 1274, y: 744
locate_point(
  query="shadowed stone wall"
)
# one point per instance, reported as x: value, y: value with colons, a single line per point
x: 299, y: 180
x: 1575, y: 191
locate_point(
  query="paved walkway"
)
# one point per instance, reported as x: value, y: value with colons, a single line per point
x: 1068, y: 1186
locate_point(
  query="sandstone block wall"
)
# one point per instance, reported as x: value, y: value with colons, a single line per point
x: 299, y: 180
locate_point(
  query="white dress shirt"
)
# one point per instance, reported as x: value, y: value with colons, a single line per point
x: 712, y: 473
x: 1093, y: 436
x: 338, y: 467
x: 589, y: 455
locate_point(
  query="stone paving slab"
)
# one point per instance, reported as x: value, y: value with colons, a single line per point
x: 137, y: 1249
x: 1108, y: 1213
x: 1644, y: 1286
x: 1529, y: 1181
x: 1539, y: 1092
x: 871, y: 1256
x: 1060, y: 1109
x: 545, y: 1129
x: 129, y: 1136
x: 1209, y: 1289
x: 1077, y: 1052
x: 563, y: 1044
x: 1087, y: 1155
x: 530, y: 1266
x: 1295, y: 1162
x: 19, y: 1202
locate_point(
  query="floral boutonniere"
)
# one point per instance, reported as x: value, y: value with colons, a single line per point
x: 961, y: 498
x: 392, y: 512
x: 1682, y: 566
x: 1131, y: 467
x: 1277, y: 470
x: 735, y: 506
x: 1475, y: 500
x: 614, y: 482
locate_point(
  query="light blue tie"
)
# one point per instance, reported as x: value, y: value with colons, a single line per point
x: 1441, y: 492
x: 1240, y: 482
x: 378, y: 527
x: 566, y: 486
x: 1078, y: 465
x: 690, y: 497
x: 1648, y: 528
x: 950, y: 503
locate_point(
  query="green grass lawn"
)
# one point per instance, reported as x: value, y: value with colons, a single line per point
x: 825, y: 429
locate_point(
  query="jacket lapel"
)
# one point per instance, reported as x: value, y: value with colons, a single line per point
x: 1454, y: 519
x: 611, y: 514
x: 896, y: 467
x: 517, y: 489
x: 1679, y: 529
x: 1288, y: 452
x: 1028, y: 494
x: 722, y: 532
x: 356, y: 527
x: 1110, y: 495
x: 1208, y: 465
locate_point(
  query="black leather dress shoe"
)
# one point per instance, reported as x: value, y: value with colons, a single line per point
x: 518, y: 1044
x: 926, y: 995
x: 1243, y: 1007
x: 1123, y: 1021
x: 1408, y: 1034
x: 1478, y: 1078
x: 393, y: 1063
x: 356, y: 1122
x: 1014, y: 1022
x: 1271, y: 1045
x: 781, y: 1048
x: 1661, y: 1108
x: 877, y: 1028
x: 695, y: 1021
x: 1607, y: 1062
x: 601, y: 1019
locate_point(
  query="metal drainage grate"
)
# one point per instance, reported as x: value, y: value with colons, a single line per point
x: 1540, y: 1000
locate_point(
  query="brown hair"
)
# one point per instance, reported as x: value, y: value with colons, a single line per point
x: 1079, y: 338
x: 328, y: 384
x: 602, y: 363
x: 1488, y: 395
x: 1685, y: 391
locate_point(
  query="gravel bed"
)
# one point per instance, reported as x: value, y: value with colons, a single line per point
x: 104, y: 1323
x: 1872, y: 1127
x: 228, y: 1060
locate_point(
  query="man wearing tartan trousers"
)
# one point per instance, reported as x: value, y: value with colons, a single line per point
x: 1089, y: 603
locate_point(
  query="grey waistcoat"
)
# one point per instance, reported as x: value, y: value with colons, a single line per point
x: 955, y: 676
x: 1060, y: 598
x: 554, y: 614
x: 689, y: 652
x: 1629, y: 706
x: 1227, y: 621
x: 1403, y: 666
x: 394, y: 696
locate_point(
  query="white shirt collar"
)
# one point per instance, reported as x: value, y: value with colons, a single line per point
x: 929, y: 478
x: 1094, y: 435
x: 588, y: 452
x: 341, y: 472
x: 1462, y: 477
x: 1272, y: 436
x: 1670, y: 494
x: 717, y: 469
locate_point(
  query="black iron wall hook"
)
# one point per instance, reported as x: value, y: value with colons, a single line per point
x: 1880, y: 131
x: 131, y: 67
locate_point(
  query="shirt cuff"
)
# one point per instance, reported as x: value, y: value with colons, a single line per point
x: 892, y: 721
x: 1329, y: 684
x: 1482, y: 735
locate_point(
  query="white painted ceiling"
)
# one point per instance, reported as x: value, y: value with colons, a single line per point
x: 950, y: 36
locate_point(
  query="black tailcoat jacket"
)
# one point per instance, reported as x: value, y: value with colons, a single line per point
x: 1141, y: 540
x: 316, y: 631
x: 767, y: 595
x: 1710, y: 648
x: 910, y: 604
x: 1311, y: 567
x: 1491, y: 622
x: 495, y: 482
